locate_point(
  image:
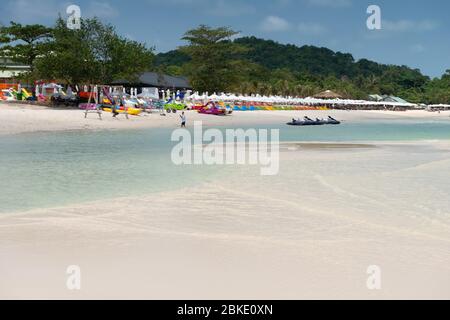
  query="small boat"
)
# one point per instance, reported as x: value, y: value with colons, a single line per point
x: 88, y: 106
x: 332, y: 121
x: 212, y: 109
x: 310, y: 122
x: 130, y: 111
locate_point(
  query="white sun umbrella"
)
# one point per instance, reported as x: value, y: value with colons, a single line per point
x: 225, y: 97
x: 213, y: 97
x: 222, y: 97
x: 198, y: 98
x: 187, y: 96
x: 194, y: 97
x: 205, y: 96
x: 249, y: 99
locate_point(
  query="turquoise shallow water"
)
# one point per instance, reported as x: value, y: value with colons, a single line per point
x: 369, y: 131
x: 42, y: 170
x: 55, y: 169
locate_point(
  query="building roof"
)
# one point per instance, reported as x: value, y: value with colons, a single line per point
x: 328, y: 95
x: 153, y: 79
x: 394, y: 99
x: 375, y: 97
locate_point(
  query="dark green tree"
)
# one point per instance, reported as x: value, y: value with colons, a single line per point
x: 24, y: 43
x: 95, y: 53
x: 214, y: 63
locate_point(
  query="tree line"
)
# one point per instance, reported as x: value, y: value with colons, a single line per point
x: 212, y: 60
x: 251, y: 65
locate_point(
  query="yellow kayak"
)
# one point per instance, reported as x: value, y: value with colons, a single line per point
x: 130, y: 111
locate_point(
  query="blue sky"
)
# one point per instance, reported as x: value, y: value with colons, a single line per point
x: 415, y: 33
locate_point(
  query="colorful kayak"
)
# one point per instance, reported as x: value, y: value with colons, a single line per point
x: 130, y: 111
x: 213, y: 109
x: 88, y: 106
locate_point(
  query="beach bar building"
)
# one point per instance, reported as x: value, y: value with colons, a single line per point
x: 328, y: 94
x: 9, y: 70
x: 438, y: 107
x: 156, y: 80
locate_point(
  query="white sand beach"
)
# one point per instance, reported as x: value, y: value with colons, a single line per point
x: 17, y: 118
x: 309, y: 232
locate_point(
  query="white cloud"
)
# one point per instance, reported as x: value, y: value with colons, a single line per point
x: 409, y: 25
x: 311, y: 28
x: 274, y: 24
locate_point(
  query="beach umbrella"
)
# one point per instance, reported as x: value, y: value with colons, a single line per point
x: 213, y: 96
x: 194, y: 96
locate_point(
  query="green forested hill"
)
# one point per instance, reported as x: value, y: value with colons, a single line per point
x: 288, y: 69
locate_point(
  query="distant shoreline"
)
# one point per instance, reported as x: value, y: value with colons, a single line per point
x: 19, y: 119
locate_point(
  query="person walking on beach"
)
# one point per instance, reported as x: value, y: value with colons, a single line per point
x: 114, y: 110
x: 183, y: 120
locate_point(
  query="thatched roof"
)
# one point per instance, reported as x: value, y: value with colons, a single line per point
x: 328, y: 95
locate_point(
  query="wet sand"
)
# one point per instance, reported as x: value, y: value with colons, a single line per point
x: 310, y: 232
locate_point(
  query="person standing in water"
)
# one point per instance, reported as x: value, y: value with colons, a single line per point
x: 183, y: 120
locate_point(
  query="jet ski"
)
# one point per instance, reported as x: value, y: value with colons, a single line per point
x: 320, y: 122
x: 332, y: 121
x: 306, y: 122
x: 310, y: 122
